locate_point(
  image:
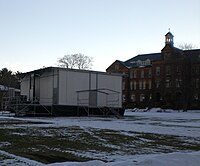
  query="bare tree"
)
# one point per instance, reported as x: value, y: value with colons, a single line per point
x: 186, y: 46
x: 75, y: 61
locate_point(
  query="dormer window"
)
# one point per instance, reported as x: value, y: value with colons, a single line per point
x: 146, y: 62
x: 139, y: 62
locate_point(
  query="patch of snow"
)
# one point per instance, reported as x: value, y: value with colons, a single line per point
x: 2, y: 144
x: 6, y: 114
x: 13, y: 160
x: 172, y: 159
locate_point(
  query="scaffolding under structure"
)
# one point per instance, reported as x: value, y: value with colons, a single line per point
x: 22, y: 107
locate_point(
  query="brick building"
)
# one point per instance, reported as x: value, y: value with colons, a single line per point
x: 169, y: 79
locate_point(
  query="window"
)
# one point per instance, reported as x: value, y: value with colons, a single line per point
x: 139, y: 62
x: 197, y: 83
x: 123, y: 98
x: 131, y: 85
x: 157, y: 83
x: 142, y: 97
x: 178, y: 83
x: 168, y: 70
x: 143, y: 63
x: 149, y: 84
x: 135, y: 74
x: 149, y: 73
x: 150, y: 96
x: 178, y: 70
x: 148, y: 62
x: 133, y: 99
x: 135, y: 85
x: 197, y: 69
x: 196, y: 96
x: 193, y: 70
x: 167, y: 83
x: 157, y: 70
x: 131, y: 74
x: 140, y: 85
x: 144, y: 84
x: 142, y: 73
x: 123, y: 85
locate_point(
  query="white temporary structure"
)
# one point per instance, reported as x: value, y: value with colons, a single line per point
x: 63, y: 88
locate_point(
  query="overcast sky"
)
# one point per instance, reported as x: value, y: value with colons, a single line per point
x: 35, y: 33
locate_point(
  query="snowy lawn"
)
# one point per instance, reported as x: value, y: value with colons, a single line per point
x: 137, y: 139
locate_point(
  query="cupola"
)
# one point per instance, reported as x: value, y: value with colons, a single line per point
x: 169, y: 39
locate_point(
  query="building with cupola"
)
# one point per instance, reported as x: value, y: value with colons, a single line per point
x: 167, y: 79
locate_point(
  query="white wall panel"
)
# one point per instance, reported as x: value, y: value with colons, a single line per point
x: 25, y: 86
x: 62, y: 100
x: 69, y: 83
x: 77, y: 81
x: 111, y: 82
x: 37, y: 87
x: 46, y: 90
x: 93, y: 82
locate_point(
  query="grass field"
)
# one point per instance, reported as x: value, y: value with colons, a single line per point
x: 45, y: 141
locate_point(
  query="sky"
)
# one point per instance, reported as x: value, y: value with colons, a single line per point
x: 35, y: 33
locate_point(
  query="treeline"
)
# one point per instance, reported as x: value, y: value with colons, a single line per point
x: 9, y: 78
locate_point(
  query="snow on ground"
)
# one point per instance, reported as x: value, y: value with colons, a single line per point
x: 172, y: 159
x: 184, y: 124
x: 177, y: 123
x: 13, y: 160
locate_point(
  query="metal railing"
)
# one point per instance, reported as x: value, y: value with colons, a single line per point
x: 105, y: 100
x: 110, y: 97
